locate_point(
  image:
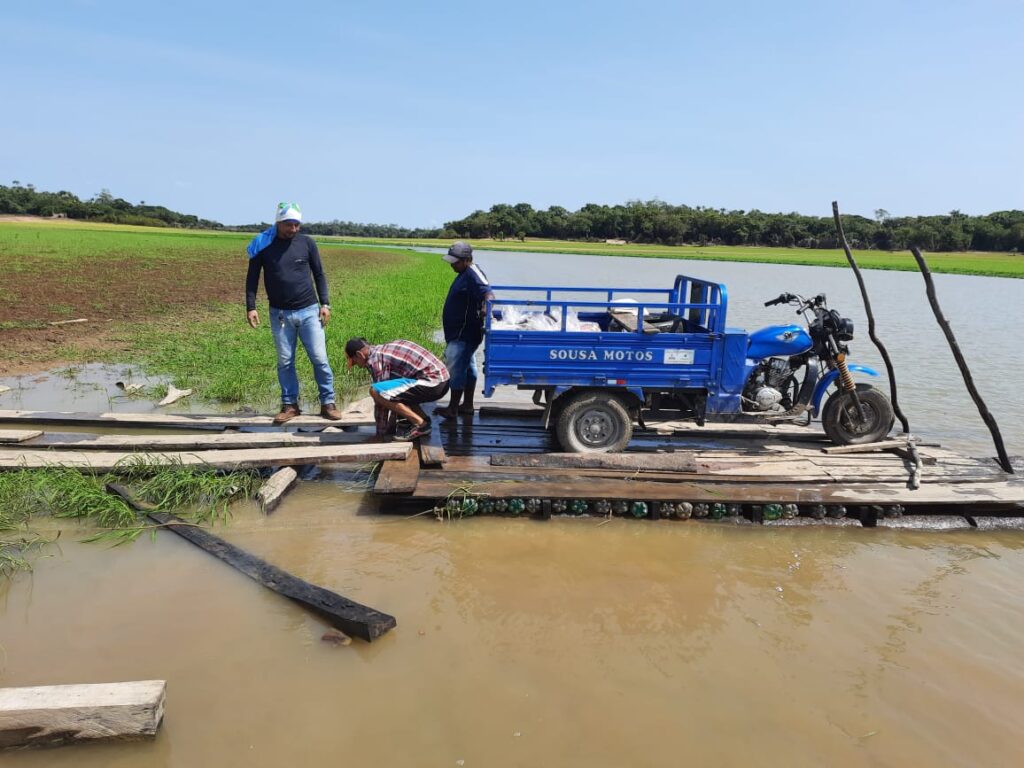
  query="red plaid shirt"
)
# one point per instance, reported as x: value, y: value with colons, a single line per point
x: 402, y: 359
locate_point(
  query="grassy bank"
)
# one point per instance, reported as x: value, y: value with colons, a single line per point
x: 173, y: 301
x: 197, y: 494
x: 969, y: 263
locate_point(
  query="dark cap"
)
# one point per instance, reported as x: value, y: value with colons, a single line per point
x: 459, y: 251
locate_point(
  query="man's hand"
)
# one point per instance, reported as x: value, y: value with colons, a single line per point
x: 253, y: 317
x: 325, y: 315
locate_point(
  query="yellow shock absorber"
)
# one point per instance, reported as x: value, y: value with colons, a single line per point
x: 846, y: 382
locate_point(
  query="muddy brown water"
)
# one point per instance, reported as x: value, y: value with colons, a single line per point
x: 572, y: 642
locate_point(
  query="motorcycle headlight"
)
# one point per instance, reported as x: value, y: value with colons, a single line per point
x: 845, y: 329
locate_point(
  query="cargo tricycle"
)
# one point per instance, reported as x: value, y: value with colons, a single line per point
x: 601, y: 359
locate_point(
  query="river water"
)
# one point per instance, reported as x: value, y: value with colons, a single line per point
x: 576, y: 642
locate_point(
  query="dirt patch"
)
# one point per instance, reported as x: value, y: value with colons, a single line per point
x: 113, y: 293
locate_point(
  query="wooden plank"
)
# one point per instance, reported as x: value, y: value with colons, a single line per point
x: 994, y: 523
x: 637, y: 462
x: 231, y: 440
x: 350, y: 617
x: 925, y: 523
x: 437, y: 484
x: 102, y: 461
x: 431, y: 450
x: 176, y: 420
x: 18, y: 435
x: 52, y: 715
x: 882, y: 445
x: 270, y: 493
x: 398, y: 476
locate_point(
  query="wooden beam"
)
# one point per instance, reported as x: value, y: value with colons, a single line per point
x: 438, y: 484
x: 882, y: 445
x: 398, y: 476
x: 270, y: 493
x: 431, y: 450
x: 350, y: 617
x: 175, y: 420
x: 637, y: 462
x: 18, y: 435
x: 51, y: 715
x: 101, y: 461
x: 231, y: 440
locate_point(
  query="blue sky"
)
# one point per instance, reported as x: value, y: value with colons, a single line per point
x: 416, y: 113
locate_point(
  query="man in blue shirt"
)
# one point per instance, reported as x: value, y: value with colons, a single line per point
x: 463, y: 321
x: 299, y: 306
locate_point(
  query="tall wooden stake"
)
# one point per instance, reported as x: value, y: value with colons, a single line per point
x: 871, y: 321
x: 965, y: 371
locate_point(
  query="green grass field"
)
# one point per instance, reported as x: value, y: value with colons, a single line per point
x: 173, y: 301
x: 970, y: 263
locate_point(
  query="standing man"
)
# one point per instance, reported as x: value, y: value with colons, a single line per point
x: 291, y: 265
x: 463, y: 321
x: 405, y: 375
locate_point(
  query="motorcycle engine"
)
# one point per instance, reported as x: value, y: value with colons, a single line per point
x: 764, y: 390
x: 768, y: 399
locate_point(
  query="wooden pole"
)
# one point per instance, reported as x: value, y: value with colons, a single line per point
x: 965, y: 371
x: 890, y: 371
x: 347, y: 615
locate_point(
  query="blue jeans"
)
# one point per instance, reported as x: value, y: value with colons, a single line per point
x: 288, y: 325
x: 460, y: 359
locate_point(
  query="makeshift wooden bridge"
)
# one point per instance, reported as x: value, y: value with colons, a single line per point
x: 501, y: 461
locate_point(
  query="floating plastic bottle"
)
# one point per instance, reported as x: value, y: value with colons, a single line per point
x: 638, y: 509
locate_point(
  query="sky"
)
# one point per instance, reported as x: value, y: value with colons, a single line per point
x: 417, y: 113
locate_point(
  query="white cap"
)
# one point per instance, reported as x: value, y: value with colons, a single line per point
x: 288, y: 212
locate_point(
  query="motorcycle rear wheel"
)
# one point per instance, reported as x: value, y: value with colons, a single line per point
x: 838, y: 417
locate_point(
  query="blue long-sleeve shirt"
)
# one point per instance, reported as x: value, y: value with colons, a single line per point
x: 290, y: 268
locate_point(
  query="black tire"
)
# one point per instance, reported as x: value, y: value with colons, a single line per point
x: 593, y: 422
x: 875, y: 408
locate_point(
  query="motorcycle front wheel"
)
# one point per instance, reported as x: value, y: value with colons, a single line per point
x: 842, y: 425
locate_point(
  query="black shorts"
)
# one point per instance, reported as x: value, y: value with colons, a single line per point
x: 414, y: 395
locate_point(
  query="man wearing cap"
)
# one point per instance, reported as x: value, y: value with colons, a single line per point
x: 462, y: 319
x: 404, y: 375
x: 291, y: 267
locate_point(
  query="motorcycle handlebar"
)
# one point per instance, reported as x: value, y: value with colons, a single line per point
x: 784, y: 298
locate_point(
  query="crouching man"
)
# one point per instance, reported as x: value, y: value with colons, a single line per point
x: 405, y: 375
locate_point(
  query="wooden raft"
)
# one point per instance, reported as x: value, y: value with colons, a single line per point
x: 505, y: 454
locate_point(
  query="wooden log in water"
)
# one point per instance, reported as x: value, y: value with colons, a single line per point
x: 350, y: 617
x: 270, y: 493
x: 52, y: 715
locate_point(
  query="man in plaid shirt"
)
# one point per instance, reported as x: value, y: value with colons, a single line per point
x: 404, y: 375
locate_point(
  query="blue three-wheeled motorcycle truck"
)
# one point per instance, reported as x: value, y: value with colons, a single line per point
x: 600, y: 358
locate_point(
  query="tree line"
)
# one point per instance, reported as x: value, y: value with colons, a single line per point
x: 637, y: 221
x: 26, y: 200
x: 657, y: 222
